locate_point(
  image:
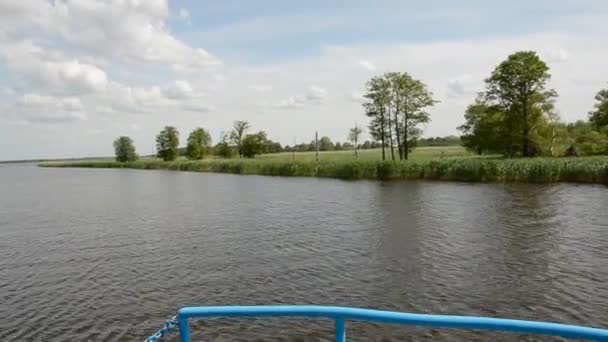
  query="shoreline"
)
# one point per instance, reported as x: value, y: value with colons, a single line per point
x: 590, y: 170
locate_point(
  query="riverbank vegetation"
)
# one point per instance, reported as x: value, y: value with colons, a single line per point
x: 511, y: 132
x: 582, y: 170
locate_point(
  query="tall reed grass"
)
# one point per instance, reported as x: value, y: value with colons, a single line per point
x: 535, y: 170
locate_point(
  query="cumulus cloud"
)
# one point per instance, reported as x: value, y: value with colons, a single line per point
x: 50, y: 68
x: 180, y: 89
x: 35, y: 108
x: 139, y: 35
x: 314, y: 95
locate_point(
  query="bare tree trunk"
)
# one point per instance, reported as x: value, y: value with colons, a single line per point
x: 390, y: 135
x: 382, y: 137
x: 526, y: 132
x: 406, y: 147
x: 398, y: 135
x: 317, y: 146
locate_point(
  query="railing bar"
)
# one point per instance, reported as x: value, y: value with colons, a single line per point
x: 184, y: 330
x: 439, y: 321
x: 340, y: 330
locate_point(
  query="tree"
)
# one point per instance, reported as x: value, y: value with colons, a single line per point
x: 353, y: 136
x: 325, y: 144
x: 366, y: 145
x: 239, y: 129
x: 199, y: 142
x: 223, y: 148
x: 410, y: 99
x: 167, y: 142
x: 124, y: 150
x: 338, y: 146
x: 376, y: 105
x: 397, y: 107
x: 484, y: 130
x: 253, y: 144
x: 599, y: 116
x: 275, y: 147
x: 517, y: 87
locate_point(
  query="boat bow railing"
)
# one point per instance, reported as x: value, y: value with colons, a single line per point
x: 341, y: 315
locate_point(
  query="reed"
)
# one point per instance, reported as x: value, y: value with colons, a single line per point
x: 534, y: 170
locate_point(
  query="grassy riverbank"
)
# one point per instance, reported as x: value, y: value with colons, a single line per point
x: 536, y: 170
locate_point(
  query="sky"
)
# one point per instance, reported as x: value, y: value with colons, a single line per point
x: 76, y: 74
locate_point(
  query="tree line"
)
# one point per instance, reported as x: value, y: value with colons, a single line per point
x: 513, y: 116
x: 236, y: 142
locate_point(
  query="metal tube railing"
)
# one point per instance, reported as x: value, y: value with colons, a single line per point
x: 342, y: 314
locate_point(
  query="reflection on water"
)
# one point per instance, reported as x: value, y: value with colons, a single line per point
x: 107, y: 255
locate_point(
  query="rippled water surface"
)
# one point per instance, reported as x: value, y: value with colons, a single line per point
x: 108, y: 255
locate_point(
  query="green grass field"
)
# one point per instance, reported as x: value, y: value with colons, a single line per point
x: 420, y: 153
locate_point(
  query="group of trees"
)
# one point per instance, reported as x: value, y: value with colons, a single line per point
x: 515, y: 115
x: 396, y: 103
x: 198, y: 145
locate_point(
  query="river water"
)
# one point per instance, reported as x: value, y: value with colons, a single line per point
x: 108, y: 255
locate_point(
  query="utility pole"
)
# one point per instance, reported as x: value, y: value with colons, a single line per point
x: 317, y: 146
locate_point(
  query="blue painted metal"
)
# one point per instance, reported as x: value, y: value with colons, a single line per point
x: 184, y: 330
x: 343, y: 314
x: 340, y: 330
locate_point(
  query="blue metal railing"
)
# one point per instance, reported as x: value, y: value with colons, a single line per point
x: 343, y: 314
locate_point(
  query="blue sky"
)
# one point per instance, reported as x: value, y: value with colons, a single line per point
x: 76, y: 74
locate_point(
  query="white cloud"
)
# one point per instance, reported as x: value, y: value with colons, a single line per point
x: 316, y: 94
x: 367, y: 65
x: 463, y: 85
x: 134, y: 31
x: 260, y: 87
x: 555, y: 55
x: 180, y: 89
x: 196, y: 107
x: 313, y: 95
x: 94, y: 131
x: 45, y: 67
x: 356, y: 96
x: 292, y: 102
x: 70, y: 104
x: 35, y: 108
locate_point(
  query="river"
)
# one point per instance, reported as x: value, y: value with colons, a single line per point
x: 108, y: 255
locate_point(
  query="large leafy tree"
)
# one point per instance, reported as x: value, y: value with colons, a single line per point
x: 599, y: 116
x: 124, y: 149
x: 397, y: 104
x: 253, y: 144
x: 517, y: 87
x: 376, y: 108
x: 239, y: 129
x: 410, y: 99
x: 167, y: 142
x: 199, y: 142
